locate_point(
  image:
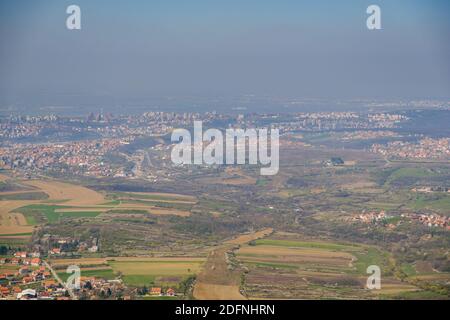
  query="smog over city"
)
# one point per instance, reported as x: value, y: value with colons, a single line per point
x: 224, y: 150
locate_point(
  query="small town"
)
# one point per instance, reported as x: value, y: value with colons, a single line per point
x: 381, y: 217
x: 426, y: 149
x: 25, y: 276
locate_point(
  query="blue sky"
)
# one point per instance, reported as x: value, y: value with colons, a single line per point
x: 281, y: 47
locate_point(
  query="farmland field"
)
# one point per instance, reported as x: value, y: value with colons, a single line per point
x: 147, y: 271
x: 313, y: 270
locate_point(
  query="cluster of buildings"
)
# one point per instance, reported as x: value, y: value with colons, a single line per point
x: 371, y: 217
x: 430, y: 220
x: 179, y: 118
x: 24, y: 277
x: 367, y: 135
x: 430, y: 189
x: 18, y: 127
x: 56, y: 246
x: 18, y: 131
x: 92, y: 288
x: 427, y: 148
x: 158, y: 291
x: 81, y: 157
x: 325, y: 121
x: 387, y: 118
x: 22, y: 259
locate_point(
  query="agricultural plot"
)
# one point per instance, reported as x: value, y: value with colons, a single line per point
x: 21, y: 210
x: 73, y: 194
x: 155, y: 197
x: 135, y: 271
x: 299, y: 269
x: 154, y: 203
x: 103, y: 273
x: 41, y: 213
x: 50, y: 201
x: 12, y: 223
x: 158, y: 271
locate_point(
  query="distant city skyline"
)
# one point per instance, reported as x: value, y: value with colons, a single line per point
x: 143, y: 51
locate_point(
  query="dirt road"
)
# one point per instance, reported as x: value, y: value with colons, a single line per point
x: 217, y: 281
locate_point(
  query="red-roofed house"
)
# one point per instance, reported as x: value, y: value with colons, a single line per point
x: 20, y: 254
x: 170, y: 292
x: 155, y: 291
x: 35, y: 262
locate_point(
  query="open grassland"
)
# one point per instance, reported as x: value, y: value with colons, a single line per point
x: 307, y: 244
x: 232, y: 177
x: 152, y: 209
x: 162, y: 268
x: 52, y: 213
x: 135, y: 271
x: 415, y: 172
x: 140, y: 272
x: 104, y: 273
x: 153, y: 203
x: 438, y: 202
x: 23, y: 195
x: 155, y: 197
x: 293, y: 256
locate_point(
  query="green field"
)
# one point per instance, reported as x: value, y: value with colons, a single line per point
x: 410, y: 172
x: 34, y: 213
x: 440, y: 201
x: 107, y: 274
x: 372, y: 256
x: 138, y: 280
x: 148, y: 272
x: 304, y: 244
x: 16, y: 234
x: 24, y: 196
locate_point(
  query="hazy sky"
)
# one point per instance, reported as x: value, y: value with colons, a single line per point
x: 296, y: 48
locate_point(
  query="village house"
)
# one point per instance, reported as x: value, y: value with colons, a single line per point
x: 155, y: 291
x: 26, y: 280
x: 26, y: 261
x: 35, y: 254
x: 170, y: 292
x: 16, y: 290
x: 20, y: 254
x: 93, y: 249
x: 4, y: 291
x: 24, y: 270
x: 55, y: 251
x: 35, y: 262
x: 49, y: 284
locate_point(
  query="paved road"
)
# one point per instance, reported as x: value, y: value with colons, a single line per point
x: 55, y: 275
